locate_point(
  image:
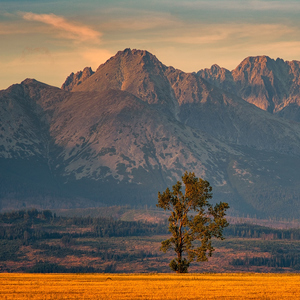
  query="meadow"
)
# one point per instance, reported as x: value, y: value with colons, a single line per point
x: 149, y: 286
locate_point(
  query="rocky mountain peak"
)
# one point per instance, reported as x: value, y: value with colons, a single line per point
x: 30, y: 84
x: 262, y: 81
x: 76, y: 79
x: 254, y: 66
x: 134, y: 52
x: 216, y: 70
x: 269, y: 84
x: 29, y: 81
x: 218, y: 76
x: 249, y: 68
x: 135, y: 71
x: 134, y: 57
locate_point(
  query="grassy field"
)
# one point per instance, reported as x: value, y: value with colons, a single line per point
x: 149, y: 286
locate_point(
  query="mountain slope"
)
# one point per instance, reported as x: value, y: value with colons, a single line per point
x: 130, y: 129
x: 88, y: 131
x: 229, y: 118
x: 193, y: 101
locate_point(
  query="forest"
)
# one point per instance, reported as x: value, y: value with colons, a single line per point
x: 54, y: 238
x: 30, y: 225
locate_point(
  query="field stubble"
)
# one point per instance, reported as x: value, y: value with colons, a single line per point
x: 149, y: 286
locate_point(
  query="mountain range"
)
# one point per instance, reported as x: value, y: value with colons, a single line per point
x: 120, y: 134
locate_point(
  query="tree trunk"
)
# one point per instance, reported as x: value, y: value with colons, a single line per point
x: 179, y: 253
x: 179, y: 257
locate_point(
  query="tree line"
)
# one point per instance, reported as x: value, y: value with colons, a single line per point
x: 33, y: 225
x: 256, y: 231
x: 288, y: 260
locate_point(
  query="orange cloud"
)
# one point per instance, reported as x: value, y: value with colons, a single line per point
x: 68, y: 29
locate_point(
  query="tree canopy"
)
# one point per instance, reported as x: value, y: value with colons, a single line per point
x: 192, y: 219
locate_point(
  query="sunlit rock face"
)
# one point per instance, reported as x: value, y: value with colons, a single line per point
x: 76, y: 79
x: 134, y: 126
x: 272, y: 85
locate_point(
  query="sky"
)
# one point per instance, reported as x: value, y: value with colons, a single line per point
x: 47, y: 40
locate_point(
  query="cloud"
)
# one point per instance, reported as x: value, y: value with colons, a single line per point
x: 137, y: 20
x: 67, y: 29
x: 254, y: 5
x: 140, y: 23
x: 204, y: 34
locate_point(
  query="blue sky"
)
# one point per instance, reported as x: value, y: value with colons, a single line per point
x: 47, y: 40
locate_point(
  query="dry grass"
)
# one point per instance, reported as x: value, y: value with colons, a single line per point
x: 150, y: 286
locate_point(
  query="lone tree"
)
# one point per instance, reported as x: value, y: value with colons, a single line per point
x: 192, y: 218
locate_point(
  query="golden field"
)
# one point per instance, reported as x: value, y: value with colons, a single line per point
x: 149, y: 286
